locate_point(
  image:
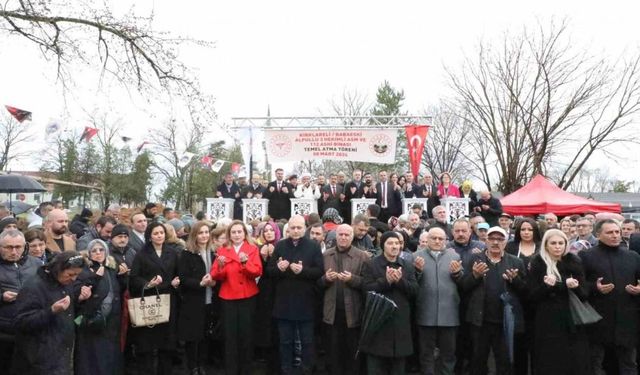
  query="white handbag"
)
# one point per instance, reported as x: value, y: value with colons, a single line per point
x: 149, y: 311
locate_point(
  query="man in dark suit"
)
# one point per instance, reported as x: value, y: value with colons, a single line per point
x: 294, y: 268
x: 229, y: 189
x: 429, y: 190
x: 138, y: 227
x: 279, y: 194
x: 353, y: 189
x: 332, y: 196
x: 369, y: 188
x: 411, y: 189
x: 254, y: 189
x: 387, y: 197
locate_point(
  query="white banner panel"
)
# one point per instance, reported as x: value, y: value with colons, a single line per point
x: 373, y: 146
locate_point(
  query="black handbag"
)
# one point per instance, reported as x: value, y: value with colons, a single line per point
x: 582, y: 312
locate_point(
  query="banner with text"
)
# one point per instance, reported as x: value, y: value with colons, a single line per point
x: 373, y: 146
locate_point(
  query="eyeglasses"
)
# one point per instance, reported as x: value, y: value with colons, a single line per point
x: 14, y: 248
x: 97, y: 250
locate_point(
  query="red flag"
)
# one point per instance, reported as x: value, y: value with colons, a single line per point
x: 206, y: 161
x: 416, y: 135
x: 235, y: 168
x: 18, y: 114
x: 88, y: 133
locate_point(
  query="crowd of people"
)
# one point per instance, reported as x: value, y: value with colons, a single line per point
x: 487, y: 291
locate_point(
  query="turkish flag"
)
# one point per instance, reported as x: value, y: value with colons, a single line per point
x: 416, y: 136
x: 18, y: 114
x: 235, y: 168
x: 88, y: 133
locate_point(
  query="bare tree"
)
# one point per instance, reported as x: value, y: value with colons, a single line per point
x: 167, y: 147
x: 445, y: 145
x: 534, y: 99
x: 13, y: 135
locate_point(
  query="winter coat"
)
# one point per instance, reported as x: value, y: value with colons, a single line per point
x: 263, y: 335
x: 466, y: 251
x: 79, y: 226
x: 125, y: 255
x: 83, y: 242
x: 44, y: 340
x: 231, y: 193
x: 393, y: 339
x: 353, y: 262
x: 146, y: 265
x: 475, y: 288
x: 191, y: 316
x: 556, y: 338
x: 98, y: 335
x: 492, y: 214
x: 438, y: 301
x: 295, y: 294
x: 13, y: 275
x: 52, y: 245
x: 237, y: 280
x: 619, y: 309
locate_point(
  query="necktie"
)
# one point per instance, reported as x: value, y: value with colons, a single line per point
x: 279, y: 186
x: 333, y: 190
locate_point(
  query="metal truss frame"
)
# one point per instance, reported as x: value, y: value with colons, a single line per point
x: 330, y: 122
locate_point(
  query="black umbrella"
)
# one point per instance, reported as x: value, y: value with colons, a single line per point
x: 508, y: 322
x: 378, y: 310
x: 15, y: 183
x: 18, y: 207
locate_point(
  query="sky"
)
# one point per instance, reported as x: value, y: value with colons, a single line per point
x: 295, y: 57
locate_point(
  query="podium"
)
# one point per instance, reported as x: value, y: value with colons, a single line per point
x: 218, y: 208
x: 359, y: 206
x: 407, y: 203
x: 456, y: 208
x: 254, y: 209
x: 303, y: 206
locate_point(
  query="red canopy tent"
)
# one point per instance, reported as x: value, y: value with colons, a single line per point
x: 540, y: 196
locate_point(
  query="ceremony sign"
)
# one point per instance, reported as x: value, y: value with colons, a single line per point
x: 218, y: 208
x: 456, y: 208
x: 373, y: 146
x: 254, y: 209
x: 303, y: 206
x: 359, y: 206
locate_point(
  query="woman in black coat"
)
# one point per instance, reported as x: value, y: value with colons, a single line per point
x: 265, y: 331
x: 393, y: 277
x: 155, y: 267
x: 98, y: 335
x: 561, y: 346
x: 44, y: 321
x: 525, y: 245
x: 196, y: 295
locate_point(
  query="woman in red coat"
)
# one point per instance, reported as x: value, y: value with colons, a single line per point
x: 236, y: 268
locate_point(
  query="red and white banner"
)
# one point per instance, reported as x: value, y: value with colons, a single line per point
x: 416, y: 136
x: 373, y: 146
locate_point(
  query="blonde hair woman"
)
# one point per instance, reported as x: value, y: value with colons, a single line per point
x: 197, y: 295
x: 554, y: 272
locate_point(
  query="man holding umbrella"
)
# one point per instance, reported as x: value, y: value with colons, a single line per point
x: 495, y: 276
x: 389, y: 343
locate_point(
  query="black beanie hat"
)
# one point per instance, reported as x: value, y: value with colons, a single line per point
x: 119, y: 229
x: 6, y: 221
x: 386, y: 235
